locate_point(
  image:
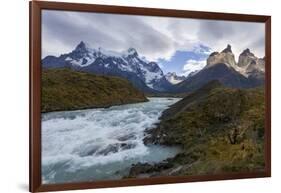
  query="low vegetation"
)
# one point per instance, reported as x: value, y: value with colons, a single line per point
x: 219, y: 129
x: 64, y: 89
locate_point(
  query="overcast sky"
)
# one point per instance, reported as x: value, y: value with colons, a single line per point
x: 179, y: 45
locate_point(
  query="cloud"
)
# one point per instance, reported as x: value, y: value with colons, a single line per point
x: 240, y: 35
x: 193, y: 66
x: 155, y: 38
x: 114, y: 32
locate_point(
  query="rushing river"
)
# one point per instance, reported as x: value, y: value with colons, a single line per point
x: 100, y: 144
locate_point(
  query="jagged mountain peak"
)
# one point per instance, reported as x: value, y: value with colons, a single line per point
x: 247, y: 58
x: 82, y: 46
x: 224, y: 57
x: 251, y: 65
x: 79, y: 54
x: 132, y: 51
x: 227, y: 49
x: 247, y: 52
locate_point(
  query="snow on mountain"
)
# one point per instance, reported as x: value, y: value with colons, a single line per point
x: 127, y: 64
x: 173, y: 78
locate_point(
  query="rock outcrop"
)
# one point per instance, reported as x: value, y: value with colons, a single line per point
x: 224, y: 57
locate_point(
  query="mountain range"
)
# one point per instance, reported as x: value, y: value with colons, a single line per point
x: 145, y: 75
x: 247, y: 73
x: 148, y: 77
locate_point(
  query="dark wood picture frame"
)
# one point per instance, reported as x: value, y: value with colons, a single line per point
x: 35, y: 93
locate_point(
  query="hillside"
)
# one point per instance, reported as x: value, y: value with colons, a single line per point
x: 220, y: 130
x: 64, y: 89
x: 226, y: 75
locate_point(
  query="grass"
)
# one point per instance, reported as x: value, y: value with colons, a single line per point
x: 64, y: 89
x: 220, y: 130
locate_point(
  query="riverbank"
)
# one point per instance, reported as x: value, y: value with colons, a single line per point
x: 220, y: 129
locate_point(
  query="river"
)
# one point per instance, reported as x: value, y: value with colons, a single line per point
x: 100, y: 144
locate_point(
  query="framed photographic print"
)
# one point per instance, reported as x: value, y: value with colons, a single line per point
x: 123, y: 96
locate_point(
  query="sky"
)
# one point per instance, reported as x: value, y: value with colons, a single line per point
x: 177, y: 44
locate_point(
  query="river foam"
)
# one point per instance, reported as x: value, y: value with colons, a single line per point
x: 100, y: 144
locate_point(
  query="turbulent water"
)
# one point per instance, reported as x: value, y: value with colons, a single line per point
x: 100, y: 144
